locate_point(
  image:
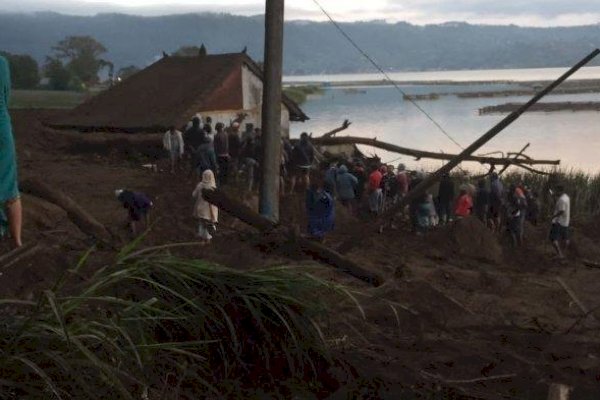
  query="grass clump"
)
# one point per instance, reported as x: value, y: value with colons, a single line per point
x: 158, y: 327
x: 582, y: 188
x: 42, y: 99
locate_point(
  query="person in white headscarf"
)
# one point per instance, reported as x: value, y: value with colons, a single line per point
x: 206, y: 213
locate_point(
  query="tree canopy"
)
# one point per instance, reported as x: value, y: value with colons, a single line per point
x: 24, y: 71
x: 81, y: 55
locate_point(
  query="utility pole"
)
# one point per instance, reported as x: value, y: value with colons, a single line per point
x: 271, y: 111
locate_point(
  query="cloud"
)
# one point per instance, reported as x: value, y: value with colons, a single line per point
x: 520, y: 12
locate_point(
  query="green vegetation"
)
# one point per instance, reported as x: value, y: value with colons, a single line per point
x: 24, y: 70
x: 46, y: 99
x: 299, y: 94
x: 80, y: 58
x: 584, y: 189
x: 151, y: 325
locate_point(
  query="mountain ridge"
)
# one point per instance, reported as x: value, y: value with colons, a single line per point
x: 310, y: 47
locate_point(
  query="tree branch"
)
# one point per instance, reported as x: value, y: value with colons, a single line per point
x: 418, y: 154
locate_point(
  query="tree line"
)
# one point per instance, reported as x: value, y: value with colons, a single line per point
x: 74, y: 64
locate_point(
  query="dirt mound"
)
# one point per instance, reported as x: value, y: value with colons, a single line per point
x: 38, y: 214
x: 471, y: 238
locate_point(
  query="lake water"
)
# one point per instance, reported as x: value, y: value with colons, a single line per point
x: 527, y: 74
x: 380, y: 111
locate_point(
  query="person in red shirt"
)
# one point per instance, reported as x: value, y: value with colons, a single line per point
x: 464, y: 204
x: 375, y: 192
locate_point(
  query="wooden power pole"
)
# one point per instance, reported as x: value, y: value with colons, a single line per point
x: 271, y: 110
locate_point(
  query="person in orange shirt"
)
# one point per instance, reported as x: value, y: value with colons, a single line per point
x: 464, y: 204
x: 375, y: 192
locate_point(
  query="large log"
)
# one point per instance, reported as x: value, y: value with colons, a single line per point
x: 418, y: 154
x: 316, y: 250
x: 80, y: 217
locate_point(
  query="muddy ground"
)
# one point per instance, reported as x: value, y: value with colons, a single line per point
x: 460, y: 315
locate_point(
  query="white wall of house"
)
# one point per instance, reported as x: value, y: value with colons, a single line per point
x: 252, y: 103
x: 252, y: 88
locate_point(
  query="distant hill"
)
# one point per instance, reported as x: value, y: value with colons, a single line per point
x: 310, y: 47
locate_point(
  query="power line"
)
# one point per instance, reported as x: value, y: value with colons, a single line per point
x: 387, y: 77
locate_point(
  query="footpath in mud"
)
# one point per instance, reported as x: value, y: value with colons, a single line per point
x: 460, y: 313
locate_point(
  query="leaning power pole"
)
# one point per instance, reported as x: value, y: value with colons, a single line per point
x: 271, y: 110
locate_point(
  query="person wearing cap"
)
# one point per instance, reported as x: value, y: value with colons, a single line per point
x: 173, y: 143
x: 138, y: 206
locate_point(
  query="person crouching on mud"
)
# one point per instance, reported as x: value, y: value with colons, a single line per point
x: 320, y: 208
x: 138, y: 206
x: 206, y: 213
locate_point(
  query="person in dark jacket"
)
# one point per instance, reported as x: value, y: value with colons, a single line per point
x: 331, y: 178
x: 138, y: 206
x: 235, y: 146
x: 346, y: 185
x: 208, y: 127
x: 205, y: 157
x: 284, y: 169
x: 445, y: 198
x: 389, y: 187
x: 221, y: 145
x: 302, y: 159
x: 249, y: 161
x: 193, y: 138
x: 320, y: 208
x: 496, y: 208
x: 482, y: 202
x: 359, y: 172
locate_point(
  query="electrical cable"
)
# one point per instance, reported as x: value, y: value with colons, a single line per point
x: 382, y: 71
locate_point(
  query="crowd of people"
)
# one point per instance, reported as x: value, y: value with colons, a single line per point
x: 220, y: 156
x: 225, y: 154
x: 500, y: 208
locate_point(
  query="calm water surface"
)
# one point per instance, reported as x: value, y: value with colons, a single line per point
x: 573, y: 137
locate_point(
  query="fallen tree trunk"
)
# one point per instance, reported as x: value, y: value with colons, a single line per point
x: 84, y: 221
x: 418, y: 154
x: 309, y: 247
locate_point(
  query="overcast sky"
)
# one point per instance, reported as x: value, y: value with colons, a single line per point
x: 520, y: 12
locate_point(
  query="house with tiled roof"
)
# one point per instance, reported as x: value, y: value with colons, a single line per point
x: 174, y: 89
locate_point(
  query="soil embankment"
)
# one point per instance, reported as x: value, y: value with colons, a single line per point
x: 461, y: 313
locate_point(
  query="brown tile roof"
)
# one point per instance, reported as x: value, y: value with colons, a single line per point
x: 168, y: 93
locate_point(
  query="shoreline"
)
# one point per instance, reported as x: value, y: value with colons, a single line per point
x: 439, y: 82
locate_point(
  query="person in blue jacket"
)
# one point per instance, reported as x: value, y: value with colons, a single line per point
x: 320, y: 208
